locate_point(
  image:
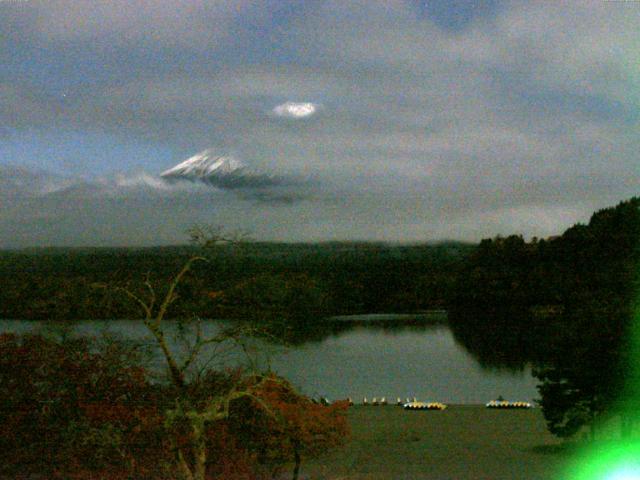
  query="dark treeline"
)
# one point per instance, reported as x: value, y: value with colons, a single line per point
x: 566, y: 305
x: 291, y: 280
x: 527, y: 295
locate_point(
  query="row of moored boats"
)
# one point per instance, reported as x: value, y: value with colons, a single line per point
x: 414, y: 404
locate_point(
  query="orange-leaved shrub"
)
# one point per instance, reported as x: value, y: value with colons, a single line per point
x: 66, y: 409
x: 71, y: 410
x: 289, y: 427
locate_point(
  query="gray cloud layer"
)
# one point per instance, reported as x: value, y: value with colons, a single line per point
x: 522, y: 122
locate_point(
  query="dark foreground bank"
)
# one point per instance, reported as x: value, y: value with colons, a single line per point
x: 461, y: 442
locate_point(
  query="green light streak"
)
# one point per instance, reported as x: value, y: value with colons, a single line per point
x: 610, y: 461
x: 620, y: 459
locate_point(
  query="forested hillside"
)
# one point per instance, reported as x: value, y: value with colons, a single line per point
x: 567, y: 306
x: 326, y: 278
x: 509, y: 288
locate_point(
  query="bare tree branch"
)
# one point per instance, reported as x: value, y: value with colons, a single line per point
x: 170, y: 297
x: 147, y: 309
x: 152, y: 292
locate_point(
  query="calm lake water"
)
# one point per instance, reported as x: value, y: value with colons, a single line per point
x: 403, y: 361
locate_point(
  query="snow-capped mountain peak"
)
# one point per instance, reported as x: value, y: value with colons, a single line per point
x: 221, y: 171
x: 204, y: 164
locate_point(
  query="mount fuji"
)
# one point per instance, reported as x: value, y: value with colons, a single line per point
x: 224, y: 172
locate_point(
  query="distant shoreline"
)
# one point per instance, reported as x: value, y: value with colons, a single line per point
x: 430, y: 316
x: 427, y: 316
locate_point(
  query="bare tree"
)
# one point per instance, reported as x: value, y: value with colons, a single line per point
x: 192, y: 458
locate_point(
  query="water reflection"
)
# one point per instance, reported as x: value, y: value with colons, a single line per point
x: 502, y: 339
x: 320, y: 330
x: 340, y: 359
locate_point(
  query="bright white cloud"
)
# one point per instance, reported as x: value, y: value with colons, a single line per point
x: 296, y: 109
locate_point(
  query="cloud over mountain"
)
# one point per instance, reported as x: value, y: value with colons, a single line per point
x: 520, y: 117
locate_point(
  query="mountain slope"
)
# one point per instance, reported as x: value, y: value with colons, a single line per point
x: 220, y: 171
x: 16, y: 181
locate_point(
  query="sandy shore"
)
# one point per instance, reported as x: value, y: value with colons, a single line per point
x: 461, y: 442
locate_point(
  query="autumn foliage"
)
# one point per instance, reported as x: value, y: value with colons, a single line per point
x: 290, y: 428
x: 65, y: 410
x: 75, y: 410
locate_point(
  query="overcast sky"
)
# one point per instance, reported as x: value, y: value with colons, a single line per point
x: 423, y: 120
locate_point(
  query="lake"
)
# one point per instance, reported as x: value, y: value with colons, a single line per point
x: 364, y: 359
